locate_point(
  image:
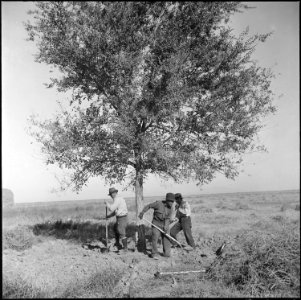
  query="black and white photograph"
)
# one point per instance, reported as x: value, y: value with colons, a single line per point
x: 150, y: 149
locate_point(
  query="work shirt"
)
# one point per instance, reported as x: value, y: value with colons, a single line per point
x: 119, y: 206
x: 162, y: 213
x: 183, y: 210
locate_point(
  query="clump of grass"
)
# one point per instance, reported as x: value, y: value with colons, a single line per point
x: 204, y: 289
x: 201, y: 235
x: 221, y: 205
x: 17, y: 288
x: 99, y: 284
x: 263, y: 263
x: 242, y: 206
x: 284, y: 207
x: 18, y: 238
x: 278, y: 218
x: 202, y: 209
x: 196, y: 209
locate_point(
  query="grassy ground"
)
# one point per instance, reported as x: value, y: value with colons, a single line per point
x: 43, y: 254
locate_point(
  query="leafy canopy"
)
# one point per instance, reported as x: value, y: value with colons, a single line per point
x: 168, y: 89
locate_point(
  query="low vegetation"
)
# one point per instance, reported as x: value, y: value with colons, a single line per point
x: 261, y: 259
x: 262, y: 263
x: 19, y: 238
x: 16, y: 288
x: 284, y: 207
x: 98, y: 285
x: 84, y: 231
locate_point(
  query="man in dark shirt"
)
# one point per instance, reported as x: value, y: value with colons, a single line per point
x: 161, y: 218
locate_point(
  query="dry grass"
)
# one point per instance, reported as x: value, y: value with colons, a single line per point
x: 201, y: 209
x: 221, y: 205
x: 262, y: 263
x: 17, y: 288
x: 19, y: 238
x: 81, y: 231
x: 98, y: 285
x: 242, y: 206
x: 284, y: 207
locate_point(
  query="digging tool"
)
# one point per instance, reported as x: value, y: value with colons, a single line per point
x: 107, y: 240
x: 206, y: 270
x: 158, y: 274
x: 164, y: 233
x: 220, y: 250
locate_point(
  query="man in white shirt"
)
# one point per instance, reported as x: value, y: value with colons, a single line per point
x: 183, y: 213
x: 119, y: 209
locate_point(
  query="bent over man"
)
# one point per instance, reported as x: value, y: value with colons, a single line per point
x: 161, y: 218
x: 118, y: 208
x: 183, y: 213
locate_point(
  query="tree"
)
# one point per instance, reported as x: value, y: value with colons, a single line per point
x: 168, y: 89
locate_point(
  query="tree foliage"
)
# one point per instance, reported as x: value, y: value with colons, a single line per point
x: 170, y: 90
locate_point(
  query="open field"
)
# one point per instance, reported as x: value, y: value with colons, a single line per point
x: 43, y: 253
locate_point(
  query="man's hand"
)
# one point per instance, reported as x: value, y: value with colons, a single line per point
x: 140, y: 216
x: 166, y: 227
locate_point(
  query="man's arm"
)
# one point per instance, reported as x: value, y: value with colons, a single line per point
x: 112, y: 207
x: 173, y: 212
x: 147, y: 207
x: 167, y: 221
x: 112, y: 214
x: 186, y: 208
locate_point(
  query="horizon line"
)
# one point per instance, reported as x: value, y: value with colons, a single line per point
x: 127, y: 197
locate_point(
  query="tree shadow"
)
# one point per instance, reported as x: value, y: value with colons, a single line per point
x: 85, y: 232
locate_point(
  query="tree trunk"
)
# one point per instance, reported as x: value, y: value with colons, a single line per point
x: 139, y: 193
x: 140, y: 233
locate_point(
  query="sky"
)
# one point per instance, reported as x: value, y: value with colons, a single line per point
x: 23, y: 93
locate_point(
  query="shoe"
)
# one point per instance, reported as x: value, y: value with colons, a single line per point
x: 154, y: 256
x: 118, y: 246
x: 123, y: 251
x: 188, y: 248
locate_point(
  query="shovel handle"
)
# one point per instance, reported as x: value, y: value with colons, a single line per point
x: 163, y: 232
x: 106, y: 227
x: 180, y: 272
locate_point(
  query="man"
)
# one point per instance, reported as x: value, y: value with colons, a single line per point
x: 161, y: 218
x: 183, y: 213
x: 118, y: 208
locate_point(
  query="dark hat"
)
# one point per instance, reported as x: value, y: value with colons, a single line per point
x: 112, y: 190
x: 178, y: 196
x: 170, y: 197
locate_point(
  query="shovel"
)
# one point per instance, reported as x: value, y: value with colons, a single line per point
x: 107, y: 240
x: 159, y: 274
x: 164, y: 233
x: 107, y: 227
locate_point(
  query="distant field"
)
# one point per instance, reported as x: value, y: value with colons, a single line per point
x: 43, y: 257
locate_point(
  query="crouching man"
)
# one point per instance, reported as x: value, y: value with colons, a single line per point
x: 161, y: 218
x: 183, y: 213
x: 118, y: 208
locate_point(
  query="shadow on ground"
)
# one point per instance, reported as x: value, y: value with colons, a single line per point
x: 84, y: 232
